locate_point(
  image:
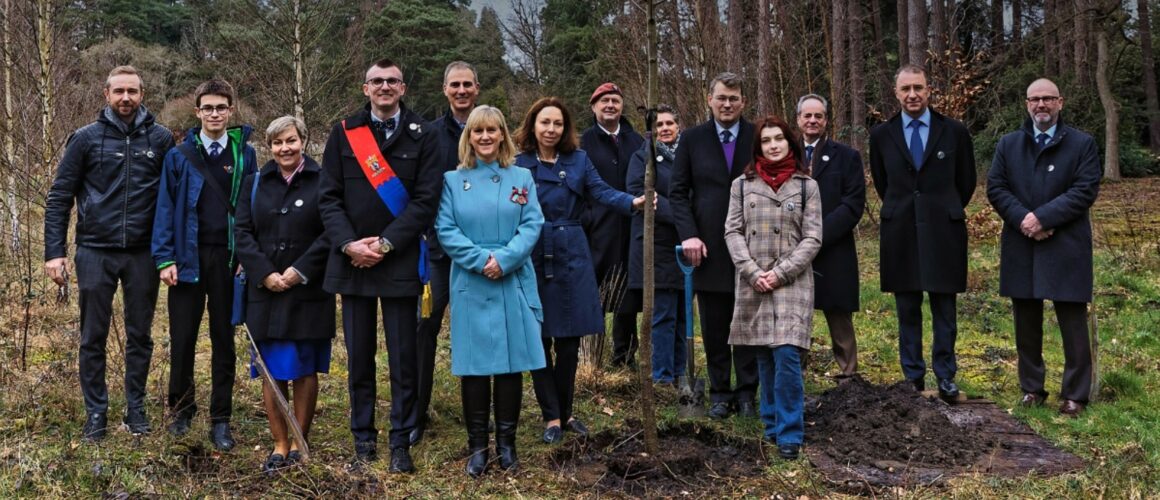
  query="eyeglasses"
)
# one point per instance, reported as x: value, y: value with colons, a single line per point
x: 379, y: 82
x: 731, y: 99
x: 220, y: 109
x: 1047, y: 99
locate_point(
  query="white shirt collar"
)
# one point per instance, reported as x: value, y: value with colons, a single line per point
x: 609, y: 132
x: 222, y: 141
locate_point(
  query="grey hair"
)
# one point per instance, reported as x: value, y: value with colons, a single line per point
x: 282, y: 124
x: 665, y: 108
x: 804, y: 98
x: 454, y: 65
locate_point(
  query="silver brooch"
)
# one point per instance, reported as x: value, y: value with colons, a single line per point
x: 660, y: 158
x: 941, y: 155
x: 229, y: 169
x: 1051, y: 168
x: 466, y: 185
x: 149, y: 153
x: 416, y: 127
x: 825, y: 157
x: 789, y: 206
x: 563, y: 174
x: 495, y: 179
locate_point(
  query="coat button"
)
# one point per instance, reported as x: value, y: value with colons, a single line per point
x: 917, y: 192
x: 776, y: 231
x: 754, y: 232
x: 776, y: 203
x: 281, y: 246
x: 284, y: 210
x: 752, y: 204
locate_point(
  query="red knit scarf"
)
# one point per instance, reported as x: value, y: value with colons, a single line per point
x: 775, y: 173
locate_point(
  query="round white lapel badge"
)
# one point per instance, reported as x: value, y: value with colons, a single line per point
x: 789, y: 206
x: 149, y: 153
x: 660, y: 158
x: 941, y: 155
x: 414, y: 126
x: 298, y: 203
x: 825, y: 157
x: 1051, y: 168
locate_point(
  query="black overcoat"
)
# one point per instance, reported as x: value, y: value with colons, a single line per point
x: 837, y: 169
x: 1059, y: 183
x: 607, y: 230
x: 700, y: 198
x: 665, y: 271
x: 923, y: 233
x: 351, y: 209
x: 283, y: 228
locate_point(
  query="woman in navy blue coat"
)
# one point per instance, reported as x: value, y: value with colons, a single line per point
x: 565, y: 178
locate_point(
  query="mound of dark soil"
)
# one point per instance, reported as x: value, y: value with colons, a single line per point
x: 893, y: 427
x: 691, y: 461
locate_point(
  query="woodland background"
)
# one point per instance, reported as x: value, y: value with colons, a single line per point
x: 308, y: 58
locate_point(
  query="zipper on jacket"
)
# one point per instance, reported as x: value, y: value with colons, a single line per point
x: 125, y: 186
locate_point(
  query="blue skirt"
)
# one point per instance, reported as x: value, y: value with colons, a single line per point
x: 293, y: 359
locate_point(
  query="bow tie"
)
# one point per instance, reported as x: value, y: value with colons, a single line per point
x: 387, y: 125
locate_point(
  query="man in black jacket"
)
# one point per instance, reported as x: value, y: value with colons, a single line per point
x: 377, y: 245
x: 1043, y: 180
x: 610, y: 144
x: 111, y: 170
x: 837, y: 168
x: 461, y: 87
x: 709, y: 157
x: 923, y: 164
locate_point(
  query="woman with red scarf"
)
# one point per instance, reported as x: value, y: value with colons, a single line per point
x: 773, y: 230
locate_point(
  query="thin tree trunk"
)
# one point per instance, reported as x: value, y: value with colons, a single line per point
x: 735, y: 27
x: 938, y: 24
x: 299, y: 78
x: 857, y: 102
x: 764, y: 45
x: 903, y: 6
x: 1111, y: 109
x: 648, y: 414
x: 1080, y: 56
x: 1152, y: 104
x: 997, y: 26
x: 1050, y: 39
x: 917, y: 24
x: 44, y: 30
x: 886, y: 101
x: 838, y: 67
x: 1016, y: 21
x: 9, y: 138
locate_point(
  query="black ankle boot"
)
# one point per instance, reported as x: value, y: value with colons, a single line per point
x: 508, y: 393
x: 476, y: 394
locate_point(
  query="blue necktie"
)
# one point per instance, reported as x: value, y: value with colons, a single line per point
x: 1042, y: 139
x: 726, y: 136
x: 809, y: 154
x: 215, y: 149
x: 916, y: 144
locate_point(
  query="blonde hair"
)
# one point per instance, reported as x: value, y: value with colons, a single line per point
x: 282, y: 124
x: 480, y: 117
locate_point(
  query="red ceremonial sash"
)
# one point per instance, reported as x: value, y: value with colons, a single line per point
x: 376, y: 169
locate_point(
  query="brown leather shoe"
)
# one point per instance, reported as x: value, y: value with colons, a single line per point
x: 1031, y: 399
x: 1071, y: 408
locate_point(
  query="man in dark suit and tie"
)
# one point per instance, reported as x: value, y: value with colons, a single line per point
x: 709, y: 157
x: 923, y: 166
x: 837, y: 168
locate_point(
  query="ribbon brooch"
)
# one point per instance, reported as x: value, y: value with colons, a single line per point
x: 519, y: 196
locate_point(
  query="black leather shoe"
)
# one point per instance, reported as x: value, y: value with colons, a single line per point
x: 135, y: 421
x: 553, y: 434
x: 1071, y: 408
x: 221, y: 437
x: 180, y: 425
x: 477, y: 462
x: 578, y: 427
x: 1031, y: 400
x: 918, y: 383
x: 96, y: 427
x: 365, y: 452
x: 947, y: 388
x: 719, y: 410
x: 401, y: 460
x: 747, y: 409
x: 788, y: 451
x: 273, y: 463
x: 293, y: 457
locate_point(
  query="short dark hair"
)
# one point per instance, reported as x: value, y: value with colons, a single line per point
x: 385, y: 63
x: 214, y: 87
x: 729, y: 80
x: 909, y: 68
x: 526, y: 135
x: 665, y: 108
x: 795, y: 144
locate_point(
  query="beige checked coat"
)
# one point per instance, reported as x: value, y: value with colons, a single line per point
x: 766, y: 230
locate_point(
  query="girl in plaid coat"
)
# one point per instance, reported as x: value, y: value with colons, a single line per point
x: 773, y: 230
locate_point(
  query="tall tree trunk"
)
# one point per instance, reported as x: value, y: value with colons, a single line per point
x: 885, y: 100
x: 1152, y: 104
x: 764, y: 45
x: 917, y: 24
x: 9, y: 137
x: 737, y: 20
x: 938, y: 24
x: 1081, y: 58
x: 710, y: 23
x: 1064, y: 13
x: 1016, y: 21
x: 839, y: 108
x: 1050, y: 40
x: 857, y: 102
x: 997, y: 26
x: 299, y: 79
x: 44, y: 31
x: 1111, y: 109
x: 648, y: 413
x: 903, y: 17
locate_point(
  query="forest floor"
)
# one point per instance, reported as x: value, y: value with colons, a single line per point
x: 1117, y: 438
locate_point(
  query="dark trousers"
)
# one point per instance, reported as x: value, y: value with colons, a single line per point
x: 942, y: 312
x: 842, y: 341
x: 624, y: 339
x: 98, y: 272
x: 1077, y: 353
x: 668, y: 336
x: 722, y: 359
x: 426, y: 343
x: 360, y: 332
x: 187, y: 304
x: 555, y: 384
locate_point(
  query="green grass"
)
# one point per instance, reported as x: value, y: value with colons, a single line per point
x: 41, y: 454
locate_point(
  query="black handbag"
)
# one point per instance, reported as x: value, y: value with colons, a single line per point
x: 238, y: 311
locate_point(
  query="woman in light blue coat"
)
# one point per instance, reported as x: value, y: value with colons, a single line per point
x: 489, y: 221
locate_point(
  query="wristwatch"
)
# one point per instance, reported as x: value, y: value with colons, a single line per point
x: 384, y: 246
